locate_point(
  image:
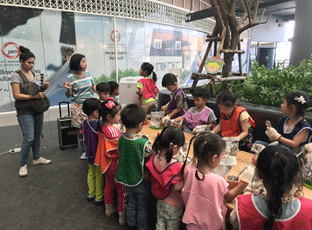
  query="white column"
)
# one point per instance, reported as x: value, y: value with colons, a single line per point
x: 302, y: 42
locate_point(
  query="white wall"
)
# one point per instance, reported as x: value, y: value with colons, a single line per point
x: 272, y: 31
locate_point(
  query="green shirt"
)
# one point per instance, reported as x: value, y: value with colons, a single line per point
x: 132, y: 151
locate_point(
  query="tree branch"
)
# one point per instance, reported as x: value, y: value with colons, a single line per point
x: 227, y: 3
x: 256, y: 2
x: 216, y: 13
x: 222, y: 41
x: 248, y: 11
x: 242, y: 19
x: 214, y: 34
x: 234, y: 32
x: 226, y: 24
x: 232, y: 6
x: 248, y: 27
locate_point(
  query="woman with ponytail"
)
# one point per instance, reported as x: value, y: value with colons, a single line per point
x: 30, y: 120
x: 147, y: 88
x: 166, y: 178
x: 277, y: 206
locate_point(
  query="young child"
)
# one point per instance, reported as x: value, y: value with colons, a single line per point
x: 293, y: 130
x: 178, y: 105
x: 114, y: 87
x: 166, y: 178
x: 204, y: 192
x: 235, y: 120
x: 200, y: 114
x: 147, y: 88
x: 103, y: 90
x: 134, y: 151
x: 107, y: 157
x: 276, y: 207
x: 90, y: 128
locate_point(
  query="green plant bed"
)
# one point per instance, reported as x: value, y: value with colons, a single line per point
x: 307, y: 184
x: 268, y: 87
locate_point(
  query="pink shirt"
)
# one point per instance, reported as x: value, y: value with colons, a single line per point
x: 203, y: 200
x: 174, y: 198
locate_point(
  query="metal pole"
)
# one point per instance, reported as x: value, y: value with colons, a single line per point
x: 115, y: 43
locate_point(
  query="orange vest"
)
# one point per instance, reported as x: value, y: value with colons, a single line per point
x: 231, y: 127
x: 106, y: 151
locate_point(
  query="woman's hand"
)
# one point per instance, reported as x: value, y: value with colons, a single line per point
x: 68, y: 92
x: 46, y: 86
x: 67, y: 85
x: 40, y: 95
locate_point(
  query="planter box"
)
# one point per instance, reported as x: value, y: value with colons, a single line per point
x: 259, y: 113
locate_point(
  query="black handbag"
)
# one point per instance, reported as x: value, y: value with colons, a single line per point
x: 31, y: 88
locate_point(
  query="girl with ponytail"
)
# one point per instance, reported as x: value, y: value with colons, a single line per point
x: 276, y: 207
x: 166, y: 178
x: 204, y: 192
x: 147, y: 88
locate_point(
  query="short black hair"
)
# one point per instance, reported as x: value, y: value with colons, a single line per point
x: 25, y: 54
x: 132, y: 115
x: 90, y: 105
x: 226, y: 98
x: 75, y: 60
x: 102, y: 87
x: 169, y: 79
x: 113, y: 86
x: 201, y: 92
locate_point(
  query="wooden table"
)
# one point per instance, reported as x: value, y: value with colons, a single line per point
x: 153, y: 134
x: 242, y: 158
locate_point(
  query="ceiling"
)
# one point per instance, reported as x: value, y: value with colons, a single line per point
x: 283, y: 8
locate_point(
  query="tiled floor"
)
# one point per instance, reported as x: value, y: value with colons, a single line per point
x: 51, y: 196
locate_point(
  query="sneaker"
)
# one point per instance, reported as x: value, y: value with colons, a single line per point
x: 122, y: 218
x: 90, y: 198
x: 23, y: 171
x: 41, y: 161
x: 110, y: 209
x: 83, y: 156
x: 98, y: 202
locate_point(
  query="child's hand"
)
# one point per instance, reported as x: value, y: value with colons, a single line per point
x: 178, y: 119
x: 166, y: 119
x: 308, y: 148
x: 272, y: 134
x: 247, y: 175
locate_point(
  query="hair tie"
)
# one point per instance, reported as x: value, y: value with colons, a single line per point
x: 158, y: 133
x: 110, y: 104
x: 276, y: 153
x: 300, y: 99
x: 273, y: 215
x: 171, y: 143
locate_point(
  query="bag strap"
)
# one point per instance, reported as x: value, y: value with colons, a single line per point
x: 23, y: 77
